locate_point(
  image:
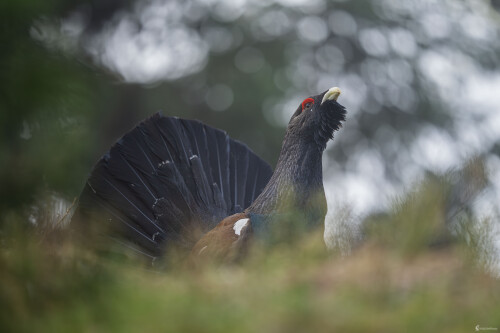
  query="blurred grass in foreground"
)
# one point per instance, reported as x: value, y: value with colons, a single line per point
x: 408, y: 275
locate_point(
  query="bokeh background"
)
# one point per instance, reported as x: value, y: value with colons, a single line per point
x: 420, y: 81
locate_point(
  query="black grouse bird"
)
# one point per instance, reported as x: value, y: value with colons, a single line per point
x: 172, y: 182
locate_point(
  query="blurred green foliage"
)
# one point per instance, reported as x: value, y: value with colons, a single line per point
x: 45, y: 106
x: 62, y: 106
x: 395, y: 281
x: 425, y: 216
x: 59, y: 112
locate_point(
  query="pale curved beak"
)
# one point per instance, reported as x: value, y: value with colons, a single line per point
x: 331, y: 94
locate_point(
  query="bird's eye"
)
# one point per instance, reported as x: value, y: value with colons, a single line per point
x: 307, y: 103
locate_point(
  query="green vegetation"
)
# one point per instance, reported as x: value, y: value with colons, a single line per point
x: 400, y: 279
x: 422, y: 266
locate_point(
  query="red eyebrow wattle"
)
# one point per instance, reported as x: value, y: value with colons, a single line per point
x: 307, y: 100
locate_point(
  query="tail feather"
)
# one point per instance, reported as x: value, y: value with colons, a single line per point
x: 239, y: 163
x: 115, y: 221
x: 203, y: 188
x: 197, y: 135
x: 219, y: 163
x: 168, y: 177
x: 123, y: 195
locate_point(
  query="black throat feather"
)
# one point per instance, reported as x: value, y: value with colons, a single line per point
x: 330, y: 122
x: 298, y: 178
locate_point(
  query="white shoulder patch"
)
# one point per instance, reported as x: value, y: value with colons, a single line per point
x: 202, y: 249
x: 239, y: 225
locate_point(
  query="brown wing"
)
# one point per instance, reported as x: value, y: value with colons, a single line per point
x: 226, y: 242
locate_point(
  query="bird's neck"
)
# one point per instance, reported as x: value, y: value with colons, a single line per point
x: 297, y: 182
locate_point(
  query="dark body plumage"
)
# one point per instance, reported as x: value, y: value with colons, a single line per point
x: 180, y: 183
x: 298, y: 176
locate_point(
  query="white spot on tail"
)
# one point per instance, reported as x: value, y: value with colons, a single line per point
x: 192, y: 157
x: 239, y: 225
x: 163, y: 163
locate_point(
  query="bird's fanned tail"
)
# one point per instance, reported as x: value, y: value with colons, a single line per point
x: 168, y: 177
